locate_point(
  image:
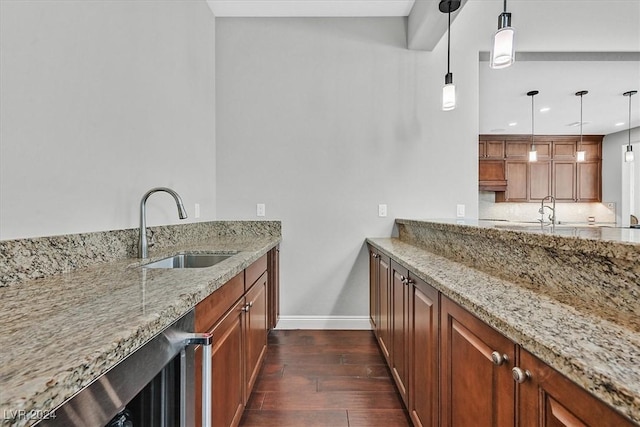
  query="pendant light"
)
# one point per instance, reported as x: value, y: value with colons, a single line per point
x: 533, y: 154
x: 503, y: 51
x: 628, y: 155
x: 581, y: 154
x: 449, y: 89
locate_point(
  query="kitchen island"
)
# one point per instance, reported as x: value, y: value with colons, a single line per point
x: 571, y: 301
x: 64, y: 329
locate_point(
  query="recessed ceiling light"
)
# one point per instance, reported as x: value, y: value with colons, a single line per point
x: 545, y: 109
x: 576, y: 124
x: 619, y: 123
x: 513, y: 123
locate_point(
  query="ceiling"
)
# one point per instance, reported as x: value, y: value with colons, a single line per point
x: 505, y: 107
x: 503, y: 99
x: 310, y: 8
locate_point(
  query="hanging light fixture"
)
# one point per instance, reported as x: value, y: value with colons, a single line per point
x: 449, y: 89
x: 503, y: 51
x: 581, y: 154
x: 533, y: 154
x: 628, y: 155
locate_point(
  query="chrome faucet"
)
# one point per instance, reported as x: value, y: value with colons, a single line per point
x: 182, y: 214
x: 552, y: 216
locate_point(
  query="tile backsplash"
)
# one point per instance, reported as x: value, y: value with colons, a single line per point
x: 565, y: 212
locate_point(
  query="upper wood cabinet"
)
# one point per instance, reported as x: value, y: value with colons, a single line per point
x: 491, y: 149
x: 557, y: 171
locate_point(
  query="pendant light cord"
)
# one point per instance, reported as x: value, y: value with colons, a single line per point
x: 505, y: 6
x: 532, y: 122
x: 581, y: 120
x: 630, y: 95
x: 449, y: 41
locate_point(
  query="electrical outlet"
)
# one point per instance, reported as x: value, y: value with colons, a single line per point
x: 460, y: 211
x: 382, y: 211
x: 196, y: 210
x: 260, y: 209
x: 611, y: 206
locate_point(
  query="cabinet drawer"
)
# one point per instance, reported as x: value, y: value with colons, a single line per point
x: 255, y: 270
x: 211, y: 309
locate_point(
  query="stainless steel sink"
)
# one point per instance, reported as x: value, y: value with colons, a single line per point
x: 190, y: 260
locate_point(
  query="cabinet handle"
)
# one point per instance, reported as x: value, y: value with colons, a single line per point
x: 409, y: 282
x: 246, y: 308
x: 250, y: 304
x: 520, y: 375
x: 374, y: 255
x: 498, y: 359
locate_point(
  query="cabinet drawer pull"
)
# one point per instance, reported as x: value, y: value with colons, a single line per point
x: 499, y: 359
x: 520, y: 375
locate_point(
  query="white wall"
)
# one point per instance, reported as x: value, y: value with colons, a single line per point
x: 612, y: 170
x: 322, y: 119
x: 101, y: 101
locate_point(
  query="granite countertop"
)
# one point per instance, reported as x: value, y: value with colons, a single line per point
x: 60, y: 333
x: 600, y: 355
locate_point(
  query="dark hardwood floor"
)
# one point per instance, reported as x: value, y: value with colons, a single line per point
x: 324, y: 378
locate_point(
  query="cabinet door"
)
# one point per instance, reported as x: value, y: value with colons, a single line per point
x: 384, y: 291
x: 539, y: 180
x: 400, y: 319
x: 548, y: 399
x: 589, y: 181
x: 274, y: 286
x: 564, y: 180
x: 424, y: 322
x: 374, y: 294
x: 564, y: 150
x: 475, y: 390
x: 516, y: 174
x: 255, y: 330
x: 517, y: 150
x: 227, y: 396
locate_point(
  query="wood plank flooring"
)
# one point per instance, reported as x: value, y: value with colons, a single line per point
x: 324, y: 378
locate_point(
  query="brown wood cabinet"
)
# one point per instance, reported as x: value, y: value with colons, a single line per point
x: 548, y: 399
x: 454, y: 370
x: 237, y: 316
x: 255, y: 324
x: 273, y: 283
x: 424, y: 329
x: 400, y: 328
x: 557, y: 171
x: 517, y: 174
x: 381, y: 285
x: 477, y: 388
x: 491, y: 149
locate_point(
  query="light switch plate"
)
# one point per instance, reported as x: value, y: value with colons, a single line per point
x: 460, y: 211
x: 382, y: 211
x: 260, y: 209
x: 196, y: 210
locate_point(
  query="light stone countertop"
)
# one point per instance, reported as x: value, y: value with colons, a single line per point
x: 60, y: 333
x: 598, y: 354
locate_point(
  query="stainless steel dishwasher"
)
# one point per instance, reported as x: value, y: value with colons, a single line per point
x: 150, y: 388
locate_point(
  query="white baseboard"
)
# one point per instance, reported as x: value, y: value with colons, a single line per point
x: 324, y: 322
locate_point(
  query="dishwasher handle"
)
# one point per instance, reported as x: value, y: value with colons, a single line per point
x: 205, y: 340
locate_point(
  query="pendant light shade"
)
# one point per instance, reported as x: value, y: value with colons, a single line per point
x: 449, y: 89
x: 533, y: 153
x: 448, y: 93
x: 581, y: 154
x: 628, y: 155
x: 503, y: 51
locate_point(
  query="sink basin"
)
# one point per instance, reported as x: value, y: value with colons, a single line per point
x: 190, y: 260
